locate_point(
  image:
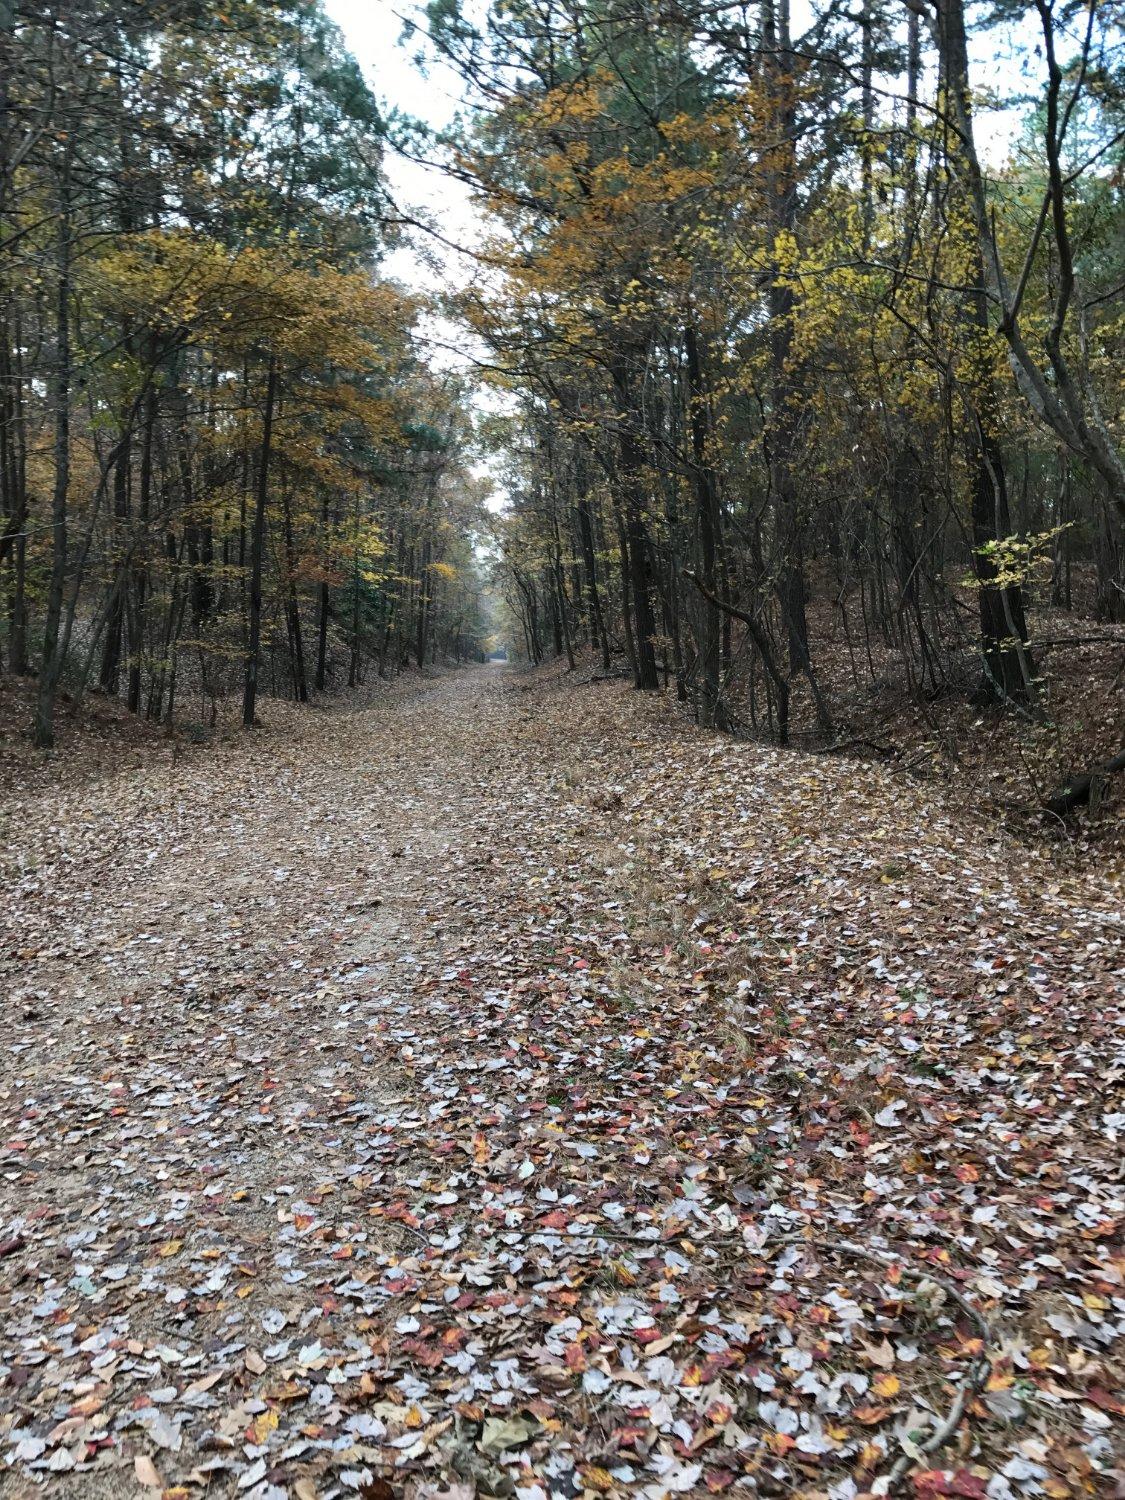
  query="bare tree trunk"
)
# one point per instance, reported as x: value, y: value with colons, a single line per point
x: 292, y: 603
x: 257, y: 547
x: 1008, y: 672
x: 630, y: 461
x: 323, y: 604
x: 709, y: 618
x: 137, y: 616
x: 1053, y: 394
x: 598, y: 631
x: 50, y: 667
x: 13, y: 474
x: 792, y: 590
x: 109, y: 676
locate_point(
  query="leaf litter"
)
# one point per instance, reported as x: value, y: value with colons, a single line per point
x: 520, y: 1093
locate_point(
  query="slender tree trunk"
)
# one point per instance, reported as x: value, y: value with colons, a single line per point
x: 165, y: 667
x: 50, y: 667
x: 786, y: 384
x: 1008, y: 671
x: 630, y: 464
x: 110, y: 674
x: 560, y: 590
x: 257, y: 547
x: 353, y: 660
x: 867, y: 70
x: 323, y: 605
x: 708, y: 616
x: 293, y: 604
x: 13, y: 541
x: 424, y: 584
x: 626, y: 605
x: 1052, y: 392
x: 782, y: 305
x: 138, y: 615
x: 599, y: 633
x: 13, y: 474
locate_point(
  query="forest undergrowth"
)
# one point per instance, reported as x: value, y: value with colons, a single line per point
x: 999, y: 763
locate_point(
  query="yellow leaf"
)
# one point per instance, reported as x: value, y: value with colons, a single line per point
x: 263, y: 1425
x: 600, y: 1480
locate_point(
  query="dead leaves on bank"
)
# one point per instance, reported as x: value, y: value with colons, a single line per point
x: 454, y: 1105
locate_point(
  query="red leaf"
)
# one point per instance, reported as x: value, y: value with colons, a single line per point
x: 949, y: 1482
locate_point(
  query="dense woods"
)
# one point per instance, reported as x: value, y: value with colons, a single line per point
x: 224, y: 467
x: 807, y: 362
x: 809, y: 382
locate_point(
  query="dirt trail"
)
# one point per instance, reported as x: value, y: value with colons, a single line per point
x: 415, y: 1094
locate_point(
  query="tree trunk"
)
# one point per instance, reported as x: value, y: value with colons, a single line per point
x: 50, y: 667
x: 630, y: 463
x: 709, y: 618
x: 323, y: 604
x: 257, y: 547
x: 1008, y: 671
x: 598, y: 632
x: 293, y: 605
x: 424, y: 581
x: 137, y: 615
x: 109, y: 676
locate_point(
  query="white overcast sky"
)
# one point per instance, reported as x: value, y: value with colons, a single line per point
x: 372, y: 30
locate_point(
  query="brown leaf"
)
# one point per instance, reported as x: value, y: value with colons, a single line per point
x: 147, y: 1473
x: 880, y: 1355
x: 376, y: 1489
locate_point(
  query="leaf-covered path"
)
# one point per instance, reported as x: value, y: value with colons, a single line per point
x: 409, y: 1095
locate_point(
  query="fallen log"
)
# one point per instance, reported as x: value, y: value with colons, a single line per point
x: 887, y: 751
x: 1079, y: 789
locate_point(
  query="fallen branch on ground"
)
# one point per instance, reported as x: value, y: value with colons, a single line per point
x: 973, y: 1384
x: 889, y: 751
x: 1080, y: 789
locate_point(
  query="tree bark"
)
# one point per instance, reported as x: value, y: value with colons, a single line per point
x: 137, y: 615
x: 257, y: 547
x: 323, y: 603
x: 599, y: 633
x: 630, y: 464
x: 50, y: 663
x: 1008, y: 671
x: 292, y: 604
x: 709, y: 618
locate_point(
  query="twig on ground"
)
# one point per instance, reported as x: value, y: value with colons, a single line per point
x: 978, y: 1372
